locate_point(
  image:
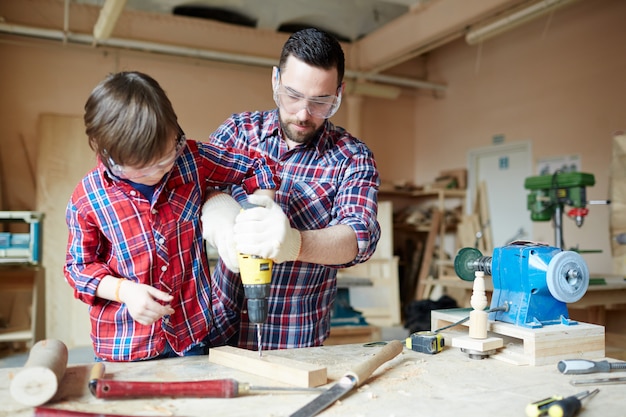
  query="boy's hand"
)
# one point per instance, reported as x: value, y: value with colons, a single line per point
x: 218, y: 218
x: 265, y: 231
x: 143, y: 303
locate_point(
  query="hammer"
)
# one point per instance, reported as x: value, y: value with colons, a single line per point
x: 38, y: 381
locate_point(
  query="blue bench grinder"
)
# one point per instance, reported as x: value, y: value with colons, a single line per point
x: 534, y: 281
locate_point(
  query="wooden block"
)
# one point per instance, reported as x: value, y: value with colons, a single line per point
x: 478, y: 345
x: 289, y: 371
x: 525, y: 346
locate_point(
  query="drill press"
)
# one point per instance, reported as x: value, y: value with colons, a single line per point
x: 549, y: 194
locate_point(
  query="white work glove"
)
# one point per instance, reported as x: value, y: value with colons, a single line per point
x: 265, y: 231
x: 218, y: 219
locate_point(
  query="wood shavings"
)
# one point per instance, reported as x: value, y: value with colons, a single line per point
x: 151, y: 409
x: 371, y: 395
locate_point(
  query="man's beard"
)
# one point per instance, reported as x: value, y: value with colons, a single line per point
x: 298, y: 137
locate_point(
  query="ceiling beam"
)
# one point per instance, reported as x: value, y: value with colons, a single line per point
x: 423, y: 29
x: 107, y: 19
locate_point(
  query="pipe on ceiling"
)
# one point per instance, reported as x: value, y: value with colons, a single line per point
x: 143, y: 46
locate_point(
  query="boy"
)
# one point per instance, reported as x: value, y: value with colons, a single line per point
x: 135, y: 253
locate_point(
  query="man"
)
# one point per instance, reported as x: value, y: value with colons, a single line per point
x: 329, y: 188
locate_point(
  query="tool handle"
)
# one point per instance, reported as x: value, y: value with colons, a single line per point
x: 539, y: 408
x: 38, y: 381
x: 567, y: 407
x: 217, y: 388
x: 582, y: 366
x: 367, y: 368
x: 97, y: 372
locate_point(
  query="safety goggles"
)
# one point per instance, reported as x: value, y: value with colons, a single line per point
x: 129, y: 173
x: 292, y: 101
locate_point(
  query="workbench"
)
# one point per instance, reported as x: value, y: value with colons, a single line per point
x: 444, y: 385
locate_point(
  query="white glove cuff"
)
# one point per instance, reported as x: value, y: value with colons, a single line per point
x: 218, y: 212
x: 290, y: 249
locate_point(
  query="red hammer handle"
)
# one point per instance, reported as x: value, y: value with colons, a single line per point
x: 218, y: 388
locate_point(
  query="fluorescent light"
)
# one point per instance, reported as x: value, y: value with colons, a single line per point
x: 513, y: 20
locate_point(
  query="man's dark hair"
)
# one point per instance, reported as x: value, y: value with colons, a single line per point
x: 316, y: 48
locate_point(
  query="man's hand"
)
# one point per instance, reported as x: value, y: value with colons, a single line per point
x: 265, y: 231
x: 143, y: 303
x: 218, y: 219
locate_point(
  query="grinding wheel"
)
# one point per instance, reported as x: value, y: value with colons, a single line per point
x: 464, y: 263
x: 567, y: 277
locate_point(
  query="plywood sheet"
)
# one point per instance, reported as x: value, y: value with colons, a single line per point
x: 64, y: 157
x: 617, y: 192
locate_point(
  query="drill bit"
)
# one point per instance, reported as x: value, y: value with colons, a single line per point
x: 258, y: 339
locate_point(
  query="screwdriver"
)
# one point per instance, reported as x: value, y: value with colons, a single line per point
x: 568, y: 407
x: 583, y: 366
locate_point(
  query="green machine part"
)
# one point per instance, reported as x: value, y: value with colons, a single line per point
x: 548, y: 191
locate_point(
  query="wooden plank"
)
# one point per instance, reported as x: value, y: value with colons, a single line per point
x: 485, y: 218
x: 429, y: 251
x: 289, y: 371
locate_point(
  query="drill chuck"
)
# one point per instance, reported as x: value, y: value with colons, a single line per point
x: 257, y: 295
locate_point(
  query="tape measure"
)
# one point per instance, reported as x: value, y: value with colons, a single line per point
x: 425, y: 342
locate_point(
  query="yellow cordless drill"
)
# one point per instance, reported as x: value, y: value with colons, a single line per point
x: 256, y: 276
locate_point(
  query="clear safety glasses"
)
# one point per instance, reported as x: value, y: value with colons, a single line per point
x: 292, y: 102
x: 129, y: 173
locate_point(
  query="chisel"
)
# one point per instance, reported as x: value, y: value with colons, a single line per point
x: 215, y: 388
x: 350, y: 380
